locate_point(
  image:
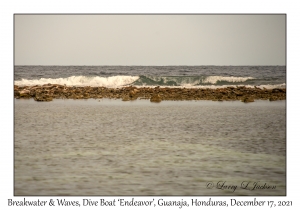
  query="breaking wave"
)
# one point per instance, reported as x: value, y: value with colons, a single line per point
x: 113, y: 81
x: 169, y: 81
x: 216, y: 79
x: 190, y: 80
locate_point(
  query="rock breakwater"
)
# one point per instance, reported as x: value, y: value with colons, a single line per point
x: 49, y: 92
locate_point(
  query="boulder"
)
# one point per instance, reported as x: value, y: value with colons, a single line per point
x: 155, y: 98
x: 126, y: 98
x: 43, y: 98
x: 247, y: 100
x: 132, y: 94
x: 273, y: 98
x: 24, y: 93
x: 16, y: 93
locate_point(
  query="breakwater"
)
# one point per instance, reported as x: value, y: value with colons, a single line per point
x: 48, y: 92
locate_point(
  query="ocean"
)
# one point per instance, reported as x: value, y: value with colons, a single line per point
x: 178, y: 76
x: 93, y: 147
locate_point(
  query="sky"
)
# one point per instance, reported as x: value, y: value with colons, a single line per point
x: 150, y: 39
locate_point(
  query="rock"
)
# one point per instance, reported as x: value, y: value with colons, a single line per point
x: 155, y: 98
x: 24, y: 93
x: 132, y: 94
x: 16, y: 93
x: 43, y: 98
x: 247, y: 99
x: 238, y: 93
x: 273, y: 98
x: 155, y: 94
x: 126, y: 98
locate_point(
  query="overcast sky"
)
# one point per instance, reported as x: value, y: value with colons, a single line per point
x: 150, y: 39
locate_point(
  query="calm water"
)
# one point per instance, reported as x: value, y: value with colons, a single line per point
x: 87, y: 147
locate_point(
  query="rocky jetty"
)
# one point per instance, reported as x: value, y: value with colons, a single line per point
x: 49, y: 92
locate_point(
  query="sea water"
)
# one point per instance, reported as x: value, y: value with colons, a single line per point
x: 175, y: 76
x: 111, y: 147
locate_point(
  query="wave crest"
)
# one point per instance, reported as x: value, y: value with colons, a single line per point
x: 114, y: 81
x: 151, y: 81
x: 190, y: 80
x: 215, y: 79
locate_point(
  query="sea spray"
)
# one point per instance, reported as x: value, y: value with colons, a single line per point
x: 215, y: 79
x: 113, y: 81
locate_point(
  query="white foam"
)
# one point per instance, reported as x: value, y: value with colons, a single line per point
x: 215, y: 79
x: 113, y: 82
x: 283, y: 85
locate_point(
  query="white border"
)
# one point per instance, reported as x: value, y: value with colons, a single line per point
x: 8, y: 8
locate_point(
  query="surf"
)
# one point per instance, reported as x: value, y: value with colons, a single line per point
x: 153, y: 81
x: 96, y: 81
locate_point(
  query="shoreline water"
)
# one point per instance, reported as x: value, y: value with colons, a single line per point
x: 145, y: 102
x: 112, y: 147
x: 48, y: 92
